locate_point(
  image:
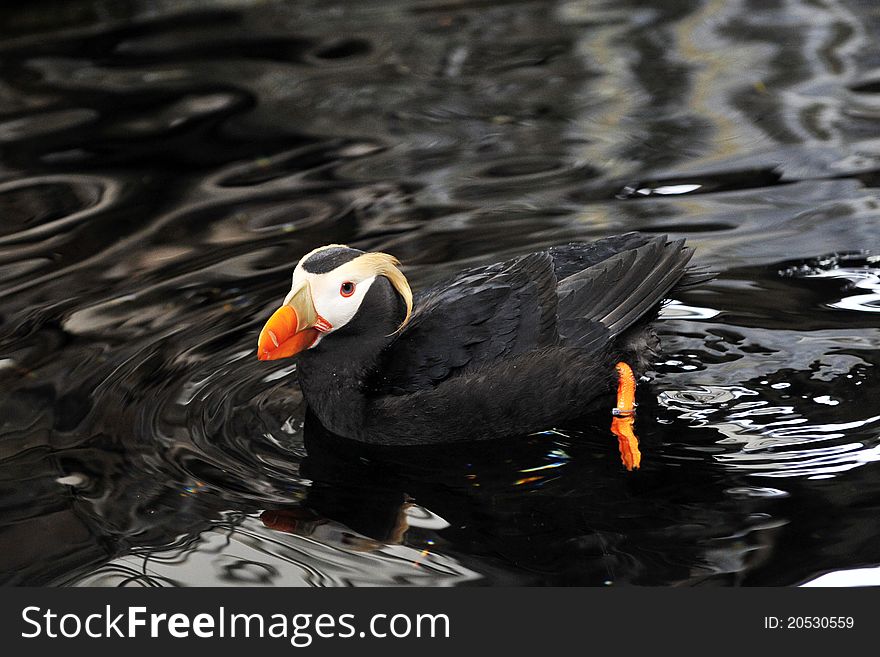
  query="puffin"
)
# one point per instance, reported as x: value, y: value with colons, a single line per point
x: 507, y: 349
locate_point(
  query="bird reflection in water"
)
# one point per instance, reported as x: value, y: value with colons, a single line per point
x: 344, y: 507
x: 474, y: 503
x: 302, y: 521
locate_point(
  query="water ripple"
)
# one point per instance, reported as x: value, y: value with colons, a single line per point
x: 163, y: 170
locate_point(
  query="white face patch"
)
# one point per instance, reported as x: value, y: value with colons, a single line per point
x: 327, y: 292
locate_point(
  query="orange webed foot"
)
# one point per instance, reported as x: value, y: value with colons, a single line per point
x: 624, y: 417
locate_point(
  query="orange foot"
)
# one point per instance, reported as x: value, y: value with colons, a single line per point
x: 624, y: 418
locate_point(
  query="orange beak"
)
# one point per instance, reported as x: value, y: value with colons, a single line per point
x: 292, y: 328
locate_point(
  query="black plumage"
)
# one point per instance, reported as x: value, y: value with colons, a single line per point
x: 506, y: 349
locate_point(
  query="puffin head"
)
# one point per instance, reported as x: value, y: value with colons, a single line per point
x: 330, y: 288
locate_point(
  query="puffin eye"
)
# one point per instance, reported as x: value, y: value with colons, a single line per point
x: 346, y: 289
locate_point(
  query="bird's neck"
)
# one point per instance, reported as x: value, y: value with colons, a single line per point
x: 334, y: 377
x: 335, y: 374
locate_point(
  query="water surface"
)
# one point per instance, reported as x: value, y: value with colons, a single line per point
x: 164, y: 165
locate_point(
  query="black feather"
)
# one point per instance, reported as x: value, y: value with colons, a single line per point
x: 482, y: 315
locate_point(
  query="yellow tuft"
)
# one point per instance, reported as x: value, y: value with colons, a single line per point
x: 383, y: 264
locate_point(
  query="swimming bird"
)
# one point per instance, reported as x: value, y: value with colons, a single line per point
x: 506, y: 349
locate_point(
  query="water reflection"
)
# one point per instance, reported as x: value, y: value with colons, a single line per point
x: 865, y: 282
x: 475, y: 517
x: 162, y: 170
x: 786, y: 419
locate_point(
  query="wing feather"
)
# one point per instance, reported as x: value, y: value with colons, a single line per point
x: 482, y: 315
x: 577, y: 296
x: 604, y: 300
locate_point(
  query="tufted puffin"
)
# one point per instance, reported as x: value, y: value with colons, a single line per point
x: 506, y: 349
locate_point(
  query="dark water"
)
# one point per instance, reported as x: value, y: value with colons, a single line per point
x: 165, y: 164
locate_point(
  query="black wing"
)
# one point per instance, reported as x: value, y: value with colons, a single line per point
x: 573, y: 296
x: 483, y: 314
x: 573, y: 258
x: 604, y: 300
